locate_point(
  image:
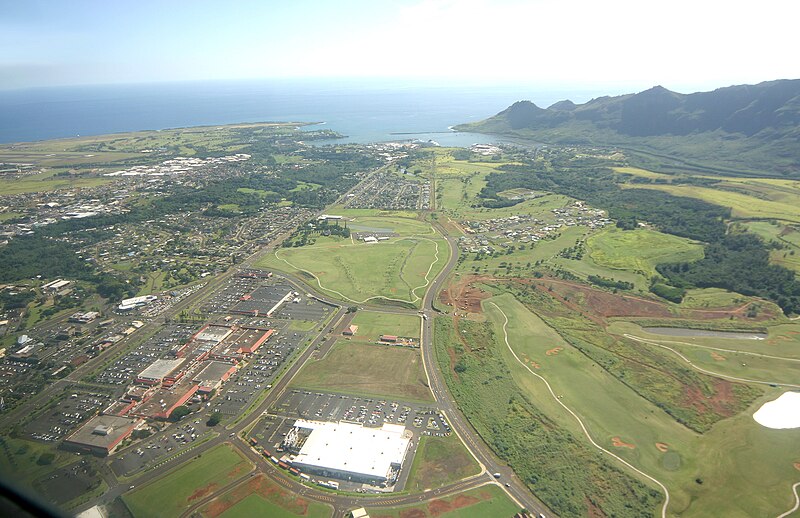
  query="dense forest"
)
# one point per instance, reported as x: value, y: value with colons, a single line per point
x: 739, y: 263
x: 736, y: 262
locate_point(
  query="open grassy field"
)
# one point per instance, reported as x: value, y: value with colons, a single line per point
x: 642, y: 173
x: 260, y: 496
x: 640, y: 250
x: 785, y: 236
x: 372, y: 324
x: 172, y: 493
x: 48, y: 182
x: 371, y: 370
x: 398, y: 269
x: 488, y: 500
x: 738, y: 462
x: 440, y: 461
x: 763, y: 202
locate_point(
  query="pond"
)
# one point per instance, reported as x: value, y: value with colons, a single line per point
x: 687, y: 332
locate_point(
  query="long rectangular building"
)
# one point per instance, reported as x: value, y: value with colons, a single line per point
x: 349, y: 451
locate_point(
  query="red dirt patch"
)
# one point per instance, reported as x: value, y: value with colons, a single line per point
x: 619, y: 443
x: 722, y: 401
x: 602, y: 303
x: 202, y: 492
x: 592, y: 511
x: 797, y: 466
x: 662, y: 447
x: 554, y: 351
x: 717, y: 357
x: 261, y: 486
x: 462, y: 295
x: 438, y: 507
x: 413, y: 513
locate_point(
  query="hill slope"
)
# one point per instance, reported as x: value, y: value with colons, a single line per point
x: 748, y: 129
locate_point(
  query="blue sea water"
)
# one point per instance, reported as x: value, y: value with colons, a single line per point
x: 365, y: 111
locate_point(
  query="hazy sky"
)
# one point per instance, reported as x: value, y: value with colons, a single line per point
x: 683, y: 45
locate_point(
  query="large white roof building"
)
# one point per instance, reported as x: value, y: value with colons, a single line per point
x: 350, y: 451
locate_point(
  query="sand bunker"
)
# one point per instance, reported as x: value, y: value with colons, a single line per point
x: 781, y: 413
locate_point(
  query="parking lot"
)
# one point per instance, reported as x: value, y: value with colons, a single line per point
x: 326, y: 406
x: 124, y: 370
x: 257, y: 295
x: 259, y: 373
x: 71, y: 410
x: 161, y: 446
x: 70, y: 482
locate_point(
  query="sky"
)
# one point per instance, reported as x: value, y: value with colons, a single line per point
x: 682, y: 45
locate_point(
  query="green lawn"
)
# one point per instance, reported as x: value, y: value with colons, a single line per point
x: 398, y: 269
x: 640, y: 250
x: 370, y: 370
x: 440, y: 461
x: 488, y: 500
x: 172, y: 493
x: 260, y: 496
x: 47, y: 182
x: 372, y: 324
x: 256, y: 505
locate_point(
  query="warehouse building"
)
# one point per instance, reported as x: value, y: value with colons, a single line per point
x: 212, y: 375
x: 162, y: 371
x: 101, y: 435
x: 349, y: 451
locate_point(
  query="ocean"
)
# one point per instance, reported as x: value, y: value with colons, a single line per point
x: 365, y: 111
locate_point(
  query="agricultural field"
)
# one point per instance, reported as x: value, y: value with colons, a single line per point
x: 371, y: 325
x: 440, y: 461
x: 260, y: 496
x: 640, y: 250
x: 172, y: 493
x: 369, y: 370
x: 396, y: 270
x: 488, y: 500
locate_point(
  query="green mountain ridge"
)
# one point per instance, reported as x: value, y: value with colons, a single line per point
x: 744, y: 129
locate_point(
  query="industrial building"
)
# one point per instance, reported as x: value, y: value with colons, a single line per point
x: 348, y: 451
x: 162, y: 371
x: 136, y: 302
x: 212, y: 375
x: 101, y: 435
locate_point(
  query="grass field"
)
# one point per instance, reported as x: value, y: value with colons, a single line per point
x: 640, y: 250
x: 48, y: 182
x: 372, y: 324
x: 398, y: 269
x: 440, y: 461
x: 752, y: 203
x: 370, y: 370
x: 488, y: 500
x: 745, y: 469
x: 786, y: 237
x: 711, y: 298
x: 261, y: 496
x: 172, y: 493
